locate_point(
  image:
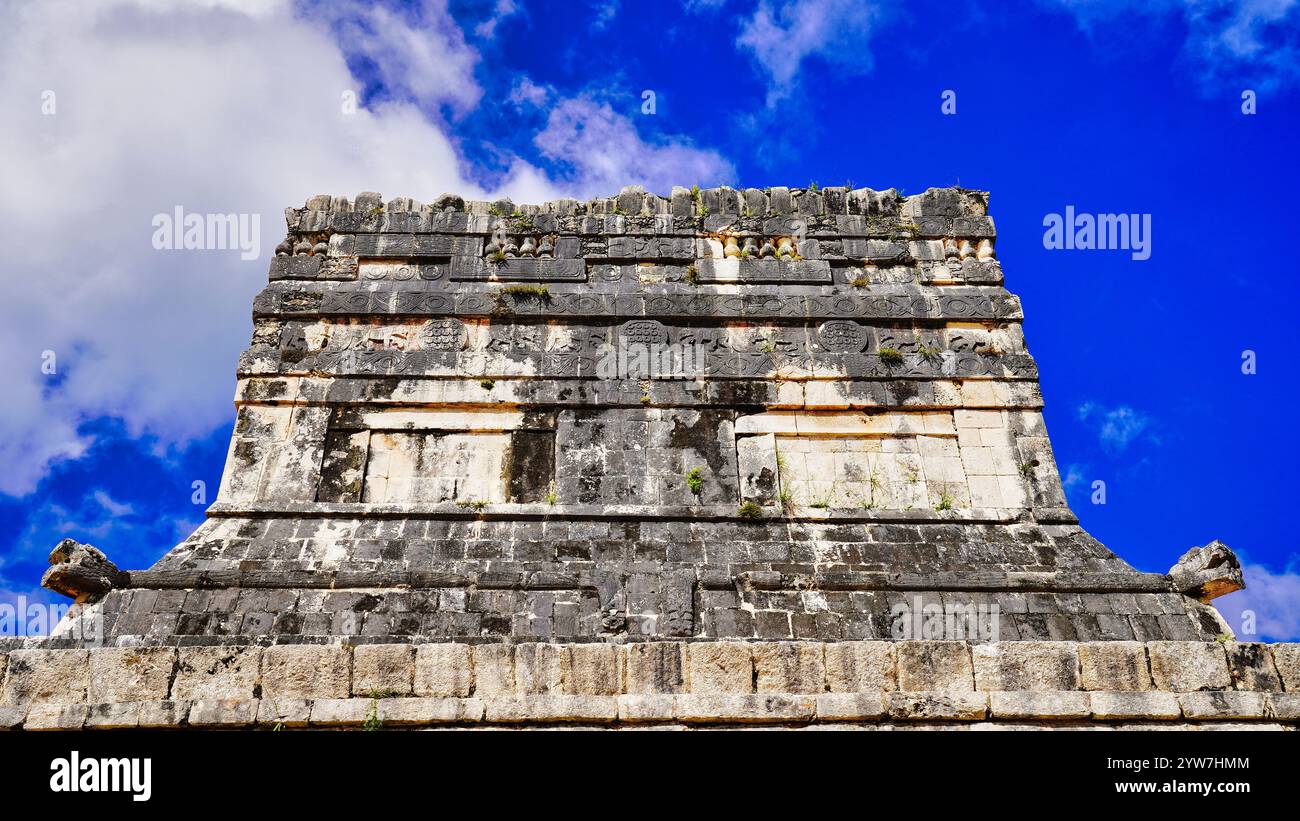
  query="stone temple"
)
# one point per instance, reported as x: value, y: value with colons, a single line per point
x: 720, y: 444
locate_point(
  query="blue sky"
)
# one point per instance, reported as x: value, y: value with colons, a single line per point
x: 226, y: 105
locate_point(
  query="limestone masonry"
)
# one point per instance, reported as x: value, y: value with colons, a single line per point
x: 750, y: 446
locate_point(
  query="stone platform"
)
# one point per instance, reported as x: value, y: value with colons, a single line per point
x: 889, y: 685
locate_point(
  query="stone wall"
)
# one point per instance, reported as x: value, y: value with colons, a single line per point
x: 862, y: 684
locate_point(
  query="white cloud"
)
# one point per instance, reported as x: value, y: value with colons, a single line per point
x: 1271, y: 599
x: 1228, y: 41
x: 418, y: 50
x: 111, y: 506
x: 782, y: 34
x: 1116, y: 428
x: 603, y: 152
x: 223, y: 106
x: 526, y: 92
x: 502, y: 11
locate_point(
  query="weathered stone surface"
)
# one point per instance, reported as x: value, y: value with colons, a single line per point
x: 1251, y: 666
x: 952, y: 706
x: 1205, y: 573
x: 720, y: 667
x: 551, y: 708
x: 851, y: 706
x: 1187, y: 666
x: 538, y: 669
x: 387, y: 669
x: 120, y: 715
x: 156, y: 715
x: 494, y: 670
x: 1286, y: 657
x: 861, y: 667
x: 229, y: 713
x: 1039, y: 704
x: 935, y: 666
x: 645, y: 708
x: 80, y: 571
x: 46, y: 677
x: 306, y: 671
x: 759, y: 708
x: 131, y: 674
x: 1125, y: 706
x: 1222, y: 705
x: 653, y: 668
x: 216, y: 673
x: 46, y: 715
x: 789, y: 667
x: 1113, y: 665
x: 443, y: 670
x: 1284, y: 706
x: 402, y: 712
x: 1028, y: 665
x: 283, y: 712
x: 590, y: 670
x: 338, y: 712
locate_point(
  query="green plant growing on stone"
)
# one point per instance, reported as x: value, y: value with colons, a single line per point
x: 552, y: 497
x: 497, y: 257
x: 890, y: 356
x: 692, y: 274
x: 487, y: 384
x: 694, y: 481
x: 787, y: 500
x: 377, y: 210
x: 945, y: 502
x: 695, y: 193
x: 813, y: 186
x: 372, y: 721
x: 1027, y: 468
x: 472, y: 504
x: 527, y: 291
x: 495, y: 211
x: 704, y: 210
x: 860, y: 282
x: 749, y: 510
x: 1223, y: 638
x: 927, y: 353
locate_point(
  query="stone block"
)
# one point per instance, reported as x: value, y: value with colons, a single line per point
x: 851, y: 706
x: 158, y: 715
x: 937, y: 706
x: 306, y: 671
x: 233, y: 712
x: 343, y: 712
x: 120, y: 674
x: 861, y: 667
x: 590, y: 669
x: 1251, y: 666
x: 494, y: 669
x: 121, y: 715
x: 49, y: 715
x: 1284, y: 706
x: 1026, y: 665
x: 1212, y: 705
x: 414, y: 712
x: 1286, y: 657
x: 719, y: 667
x: 1188, y: 666
x: 383, y: 669
x: 46, y: 677
x: 551, y: 708
x: 443, y: 670
x: 789, y: 667
x: 537, y: 669
x: 11, y: 718
x: 934, y: 666
x: 1133, y: 706
x: 653, y: 667
x: 1030, y: 704
x: 284, y: 712
x: 760, y: 708
x: 214, y: 673
x: 1113, y: 665
x: 645, y: 708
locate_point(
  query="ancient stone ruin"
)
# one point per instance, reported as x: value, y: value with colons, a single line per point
x: 723, y: 456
